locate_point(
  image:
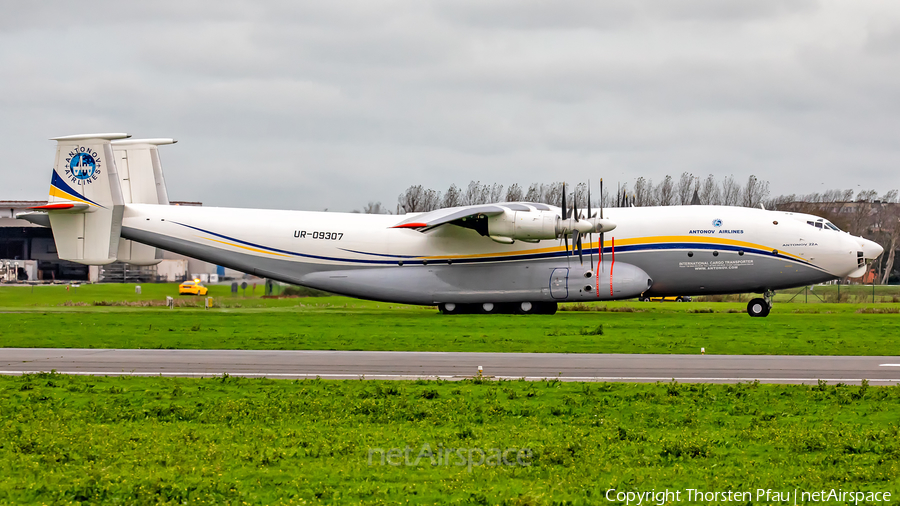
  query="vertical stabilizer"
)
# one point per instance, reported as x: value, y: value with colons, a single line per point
x: 85, y: 202
x: 142, y: 182
x: 140, y: 172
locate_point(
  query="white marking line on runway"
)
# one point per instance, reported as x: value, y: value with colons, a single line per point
x: 888, y: 365
x: 428, y: 376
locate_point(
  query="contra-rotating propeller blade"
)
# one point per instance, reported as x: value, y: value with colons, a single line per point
x: 576, y: 235
x: 577, y: 244
x: 564, y: 217
x: 575, y: 204
x: 591, y: 236
x: 601, y: 217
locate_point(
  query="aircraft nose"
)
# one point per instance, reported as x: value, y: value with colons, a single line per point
x: 870, y: 249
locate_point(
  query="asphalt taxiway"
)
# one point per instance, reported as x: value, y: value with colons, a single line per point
x: 432, y: 365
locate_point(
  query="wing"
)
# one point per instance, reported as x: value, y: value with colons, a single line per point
x: 424, y: 222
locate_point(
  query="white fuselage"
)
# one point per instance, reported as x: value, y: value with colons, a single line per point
x: 682, y: 250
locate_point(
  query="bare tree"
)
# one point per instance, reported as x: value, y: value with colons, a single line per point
x: 755, y: 192
x: 432, y: 200
x: 417, y: 199
x: 553, y: 194
x: 781, y: 202
x: 710, y: 195
x: 452, y: 198
x: 643, y: 192
x: 514, y: 193
x: 665, y: 192
x: 534, y: 193
x: 861, y: 213
x: 579, y: 196
x: 831, y: 196
x: 885, y: 228
x: 496, y: 193
x: 731, y: 192
x: 890, y: 226
x: 685, y: 188
x: 476, y: 193
x: 375, y: 208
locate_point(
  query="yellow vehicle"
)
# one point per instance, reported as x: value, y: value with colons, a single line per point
x: 192, y: 288
x: 680, y: 298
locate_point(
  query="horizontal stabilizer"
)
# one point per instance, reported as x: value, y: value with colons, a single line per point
x: 77, y: 208
x: 38, y: 218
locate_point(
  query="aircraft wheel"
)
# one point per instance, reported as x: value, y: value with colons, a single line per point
x: 527, y: 308
x: 679, y: 299
x: 758, y: 308
x: 488, y: 308
x: 645, y: 299
x: 450, y: 308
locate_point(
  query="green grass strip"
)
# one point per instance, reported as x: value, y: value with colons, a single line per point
x: 254, y: 441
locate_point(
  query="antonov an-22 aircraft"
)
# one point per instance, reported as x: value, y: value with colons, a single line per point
x: 108, y: 202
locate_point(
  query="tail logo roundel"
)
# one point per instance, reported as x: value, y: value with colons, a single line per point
x: 82, y: 165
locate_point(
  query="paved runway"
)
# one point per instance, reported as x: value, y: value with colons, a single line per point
x: 413, y: 365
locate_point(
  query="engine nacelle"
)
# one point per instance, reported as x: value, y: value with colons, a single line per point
x: 534, y: 226
x: 523, y: 225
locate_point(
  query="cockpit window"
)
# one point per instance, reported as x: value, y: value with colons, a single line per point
x: 822, y: 223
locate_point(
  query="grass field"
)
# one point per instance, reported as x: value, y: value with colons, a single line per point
x: 70, y: 440
x: 100, y: 316
x: 239, y: 441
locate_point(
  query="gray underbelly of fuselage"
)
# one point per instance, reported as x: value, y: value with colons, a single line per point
x: 676, y: 273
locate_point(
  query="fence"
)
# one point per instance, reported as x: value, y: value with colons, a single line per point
x: 817, y: 294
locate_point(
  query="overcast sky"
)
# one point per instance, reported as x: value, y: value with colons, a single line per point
x: 313, y: 105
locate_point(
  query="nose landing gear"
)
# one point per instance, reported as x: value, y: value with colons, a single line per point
x: 759, y: 308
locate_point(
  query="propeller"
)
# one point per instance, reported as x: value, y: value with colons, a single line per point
x: 572, y: 223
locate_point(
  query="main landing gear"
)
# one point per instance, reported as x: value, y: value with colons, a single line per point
x: 450, y: 308
x: 759, y: 308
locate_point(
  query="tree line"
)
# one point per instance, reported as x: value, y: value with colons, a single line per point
x: 670, y: 191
